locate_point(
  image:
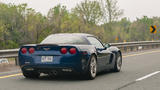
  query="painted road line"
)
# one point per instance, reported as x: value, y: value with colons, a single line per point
x: 137, y: 80
x: 147, y: 76
x: 9, y: 72
x: 140, y: 54
x: 13, y: 75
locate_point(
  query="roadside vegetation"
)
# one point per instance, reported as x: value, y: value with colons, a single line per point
x: 21, y: 25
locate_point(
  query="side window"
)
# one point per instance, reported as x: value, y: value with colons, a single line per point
x: 95, y: 42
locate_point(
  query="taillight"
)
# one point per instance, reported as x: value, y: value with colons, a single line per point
x: 24, y: 50
x: 72, y: 51
x: 31, y: 50
x: 63, y: 50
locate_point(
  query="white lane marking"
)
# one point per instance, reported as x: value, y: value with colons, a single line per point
x: 147, y: 76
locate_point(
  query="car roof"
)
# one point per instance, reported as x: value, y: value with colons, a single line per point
x: 75, y: 34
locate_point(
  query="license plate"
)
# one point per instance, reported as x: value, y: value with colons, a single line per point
x: 47, y: 59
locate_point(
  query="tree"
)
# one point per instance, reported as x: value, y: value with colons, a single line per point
x: 111, y: 11
x: 139, y: 29
x: 20, y: 25
x: 89, y: 11
x: 55, y: 17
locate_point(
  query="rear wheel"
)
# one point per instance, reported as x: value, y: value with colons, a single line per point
x: 92, y: 68
x: 118, y: 63
x: 31, y: 74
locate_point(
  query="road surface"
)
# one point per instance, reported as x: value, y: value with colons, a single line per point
x: 140, y: 71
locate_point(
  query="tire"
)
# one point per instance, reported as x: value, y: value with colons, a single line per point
x: 92, y: 68
x: 31, y: 74
x: 118, y: 63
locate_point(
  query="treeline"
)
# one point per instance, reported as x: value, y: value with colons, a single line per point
x: 20, y: 25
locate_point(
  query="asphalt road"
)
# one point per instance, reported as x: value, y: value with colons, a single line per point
x: 140, y: 71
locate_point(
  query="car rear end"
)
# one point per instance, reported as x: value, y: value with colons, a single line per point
x: 51, y: 58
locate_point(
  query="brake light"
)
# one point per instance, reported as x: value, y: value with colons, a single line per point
x: 72, y: 51
x: 31, y: 50
x: 63, y: 50
x: 24, y: 50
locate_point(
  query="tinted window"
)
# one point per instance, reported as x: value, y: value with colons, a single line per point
x: 64, y: 39
x: 95, y: 42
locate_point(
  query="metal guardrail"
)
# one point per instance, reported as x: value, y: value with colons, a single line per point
x: 10, y: 53
x: 125, y: 47
x: 136, y: 46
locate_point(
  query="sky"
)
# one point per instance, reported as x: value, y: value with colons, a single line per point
x: 132, y: 8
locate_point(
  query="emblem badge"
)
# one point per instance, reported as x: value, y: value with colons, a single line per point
x: 46, y: 49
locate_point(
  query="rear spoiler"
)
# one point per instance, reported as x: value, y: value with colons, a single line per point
x: 47, y: 45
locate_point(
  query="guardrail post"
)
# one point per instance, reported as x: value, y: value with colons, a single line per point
x: 16, y: 61
x: 131, y: 49
x: 125, y: 49
x: 152, y: 46
x: 156, y: 46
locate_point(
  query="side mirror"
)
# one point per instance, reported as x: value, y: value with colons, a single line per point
x: 107, y: 45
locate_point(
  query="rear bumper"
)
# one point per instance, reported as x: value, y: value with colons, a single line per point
x: 60, y: 69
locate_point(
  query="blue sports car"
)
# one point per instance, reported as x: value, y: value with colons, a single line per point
x: 69, y: 53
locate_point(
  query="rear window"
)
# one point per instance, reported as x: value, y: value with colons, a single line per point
x: 64, y: 39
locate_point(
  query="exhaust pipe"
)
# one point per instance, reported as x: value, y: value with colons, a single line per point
x: 53, y: 73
